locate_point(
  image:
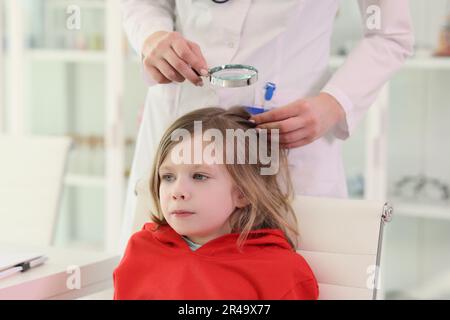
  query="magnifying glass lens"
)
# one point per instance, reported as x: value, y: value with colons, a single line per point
x: 234, y: 74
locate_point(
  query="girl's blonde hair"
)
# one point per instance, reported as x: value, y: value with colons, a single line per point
x: 269, y: 205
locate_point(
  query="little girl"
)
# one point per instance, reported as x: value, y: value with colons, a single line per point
x: 220, y: 230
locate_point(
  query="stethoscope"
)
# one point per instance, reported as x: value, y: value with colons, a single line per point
x: 220, y: 1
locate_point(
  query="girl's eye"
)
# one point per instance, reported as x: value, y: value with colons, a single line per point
x: 167, y: 177
x: 199, y: 176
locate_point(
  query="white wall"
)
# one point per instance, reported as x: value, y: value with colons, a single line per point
x: 416, y: 250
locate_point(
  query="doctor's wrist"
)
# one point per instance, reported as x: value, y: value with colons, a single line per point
x: 337, y: 109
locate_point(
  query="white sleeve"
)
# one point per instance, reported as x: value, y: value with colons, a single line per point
x: 380, y: 53
x: 141, y: 18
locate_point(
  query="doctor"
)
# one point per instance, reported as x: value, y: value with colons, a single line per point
x: 289, y: 43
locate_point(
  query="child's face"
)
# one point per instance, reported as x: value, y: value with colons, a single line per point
x: 206, y: 190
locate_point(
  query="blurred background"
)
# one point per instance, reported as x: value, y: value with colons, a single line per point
x: 63, y: 77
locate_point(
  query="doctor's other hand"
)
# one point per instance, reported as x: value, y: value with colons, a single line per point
x: 169, y: 57
x: 302, y: 121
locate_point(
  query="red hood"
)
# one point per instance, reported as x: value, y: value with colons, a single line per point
x: 224, y: 245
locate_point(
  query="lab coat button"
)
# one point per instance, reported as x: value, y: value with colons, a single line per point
x: 230, y: 44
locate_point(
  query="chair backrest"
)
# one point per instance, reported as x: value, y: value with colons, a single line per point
x: 31, y: 177
x: 340, y: 239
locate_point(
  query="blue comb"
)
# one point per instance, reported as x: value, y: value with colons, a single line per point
x: 255, y: 110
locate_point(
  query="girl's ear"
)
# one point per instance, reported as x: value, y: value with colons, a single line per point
x: 239, y: 198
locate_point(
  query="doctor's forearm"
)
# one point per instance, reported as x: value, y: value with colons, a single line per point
x: 142, y: 18
x: 376, y: 58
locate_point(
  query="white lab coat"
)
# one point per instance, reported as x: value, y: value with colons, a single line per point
x: 288, y: 42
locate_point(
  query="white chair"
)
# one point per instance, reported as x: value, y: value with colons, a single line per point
x: 340, y: 239
x: 31, y: 170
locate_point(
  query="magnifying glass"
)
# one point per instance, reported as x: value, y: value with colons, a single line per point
x: 233, y: 75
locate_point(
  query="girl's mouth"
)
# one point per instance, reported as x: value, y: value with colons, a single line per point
x: 182, y: 213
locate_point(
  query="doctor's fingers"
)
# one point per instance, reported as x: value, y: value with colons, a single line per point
x: 181, y: 67
x: 157, y: 75
x: 293, y: 137
x: 168, y: 71
x: 285, y: 126
x: 202, y: 66
x: 277, y: 114
x: 296, y: 139
x: 191, y: 54
x: 296, y: 144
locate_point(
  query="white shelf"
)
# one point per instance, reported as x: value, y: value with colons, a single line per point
x: 422, y: 62
x: 74, y: 56
x: 85, y: 4
x: 433, y: 63
x: 84, y: 181
x: 419, y: 210
x: 91, y: 56
x: 67, y: 55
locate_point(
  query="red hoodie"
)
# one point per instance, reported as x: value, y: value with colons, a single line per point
x: 158, y: 264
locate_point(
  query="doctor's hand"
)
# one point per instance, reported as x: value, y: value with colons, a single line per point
x: 302, y: 121
x: 168, y: 57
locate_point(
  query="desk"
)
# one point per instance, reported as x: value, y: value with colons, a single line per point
x: 53, y: 280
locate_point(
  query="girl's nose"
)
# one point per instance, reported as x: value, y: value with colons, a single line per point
x: 181, y: 191
x: 181, y: 196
